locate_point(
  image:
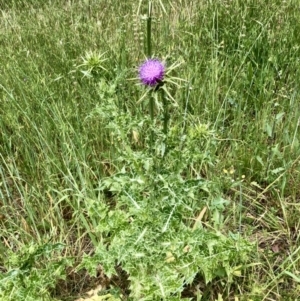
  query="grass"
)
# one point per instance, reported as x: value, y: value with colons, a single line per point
x: 79, y: 188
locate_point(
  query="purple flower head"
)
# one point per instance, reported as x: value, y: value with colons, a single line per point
x: 152, y: 71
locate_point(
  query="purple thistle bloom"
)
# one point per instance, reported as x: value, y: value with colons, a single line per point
x: 152, y: 71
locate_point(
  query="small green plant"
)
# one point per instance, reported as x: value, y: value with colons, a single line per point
x: 92, y: 64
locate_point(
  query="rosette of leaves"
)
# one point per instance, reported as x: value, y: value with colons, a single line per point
x: 147, y: 229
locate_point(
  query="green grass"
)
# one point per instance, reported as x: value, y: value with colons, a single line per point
x: 210, y: 211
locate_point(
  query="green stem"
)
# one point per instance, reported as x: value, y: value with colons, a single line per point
x: 151, y: 107
x: 240, y: 209
x: 149, y: 53
x: 165, y: 118
x: 149, y: 21
x: 166, y: 112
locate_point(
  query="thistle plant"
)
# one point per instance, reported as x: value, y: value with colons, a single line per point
x: 80, y: 186
x: 93, y: 64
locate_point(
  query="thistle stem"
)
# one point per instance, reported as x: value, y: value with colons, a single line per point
x: 166, y: 113
x: 151, y: 107
x: 149, y: 21
x: 149, y: 53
